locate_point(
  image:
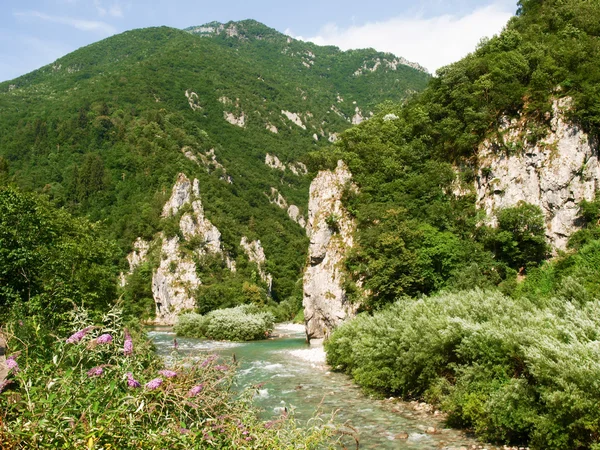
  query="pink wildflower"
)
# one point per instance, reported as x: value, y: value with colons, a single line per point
x: 74, y: 338
x: 195, y: 390
x: 104, y: 339
x: 208, y: 360
x: 154, y: 384
x: 223, y: 367
x: 12, y: 364
x: 95, y: 371
x: 131, y: 382
x: 167, y: 373
x: 184, y: 430
x: 128, y: 345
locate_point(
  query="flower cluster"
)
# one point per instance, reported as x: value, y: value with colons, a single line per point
x: 104, y: 339
x: 154, y: 384
x: 132, y: 382
x: 95, y: 371
x: 77, y: 337
x: 167, y: 373
x: 128, y: 345
x: 12, y: 364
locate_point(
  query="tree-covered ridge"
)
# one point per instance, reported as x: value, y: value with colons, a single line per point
x: 105, y: 130
x: 416, y: 163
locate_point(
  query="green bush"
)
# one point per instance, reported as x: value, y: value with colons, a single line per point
x: 516, y: 371
x: 191, y: 325
x: 88, y: 394
x: 242, y: 323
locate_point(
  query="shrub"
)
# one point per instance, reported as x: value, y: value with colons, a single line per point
x: 515, y: 371
x: 242, y: 323
x: 83, y: 393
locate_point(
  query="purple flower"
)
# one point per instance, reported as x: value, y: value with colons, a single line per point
x: 104, y: 339
x: 3, y: 384
x: 184, y: 430
x: 208, y: 360
x: 221, y: 367
x: 73, y: 339
x: 95, y: 371
x: 131, y: 382
x: 12, y: 364
x: 167, y: 373
x: 20, y: 323
x: 195, y: 390
x: 154, y: 384
x: 128, y: 345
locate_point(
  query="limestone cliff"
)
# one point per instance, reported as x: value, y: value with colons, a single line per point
x: 330, y: 230
x: 555, y: 174
x: 256, y: 254
x: 175, y: 278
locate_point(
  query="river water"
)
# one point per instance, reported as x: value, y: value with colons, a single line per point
x: 295, y: 377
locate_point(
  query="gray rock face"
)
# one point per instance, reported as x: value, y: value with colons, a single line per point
x: 330, y: 230
x: 256, y: 254
x: 555, y: 174
x: 175, y: 279
x: 173, y: 282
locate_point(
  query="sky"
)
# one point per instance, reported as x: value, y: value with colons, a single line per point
x: 431, y: 32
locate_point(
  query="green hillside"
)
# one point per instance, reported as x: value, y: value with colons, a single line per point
x: 482, y: 322
x: 103, y: 130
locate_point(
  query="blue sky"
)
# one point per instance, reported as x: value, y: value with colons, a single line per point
x: 432, y: 32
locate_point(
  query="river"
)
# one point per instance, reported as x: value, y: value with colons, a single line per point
x: 295, y: 377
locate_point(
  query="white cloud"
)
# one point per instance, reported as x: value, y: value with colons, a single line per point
x: 432, y: 42
x: 80, y: 24
x: 114, y: 10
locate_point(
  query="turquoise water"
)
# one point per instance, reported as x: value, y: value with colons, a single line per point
x: 293, y: 379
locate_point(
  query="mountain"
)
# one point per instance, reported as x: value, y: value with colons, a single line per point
x: 106, y: 130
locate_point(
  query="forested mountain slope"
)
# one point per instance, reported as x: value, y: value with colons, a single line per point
x: 105, y: 130
x: 510, y: 131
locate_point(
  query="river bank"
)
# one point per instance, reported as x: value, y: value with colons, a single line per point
x: 294, y: 376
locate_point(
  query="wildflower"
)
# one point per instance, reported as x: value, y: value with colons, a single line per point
x: 131, y: 382
x: 222, y: 367
x: 95, y: 371
x: 3, y: 384
x: 269, y: 424
x: 195, y: 390
x: 154, y: 384
x: 12, y: 364
x: 128, y: 345
x: 74, y: 338
x: 208, y: 360
x: 104, y: 339
x: 184, y: 430
x: 167, y: 373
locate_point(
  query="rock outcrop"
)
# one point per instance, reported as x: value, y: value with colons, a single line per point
x: 256, y: 254
x: 175, y: 279
x: 330, y: 230
x: 556, y: 173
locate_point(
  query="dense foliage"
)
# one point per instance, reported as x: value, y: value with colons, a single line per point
x: 243, y: 323
x: 515, y: 371
x: 103, y: 132
x: 103, y: 388
x: 415, y: 164
x: 51, y: 261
